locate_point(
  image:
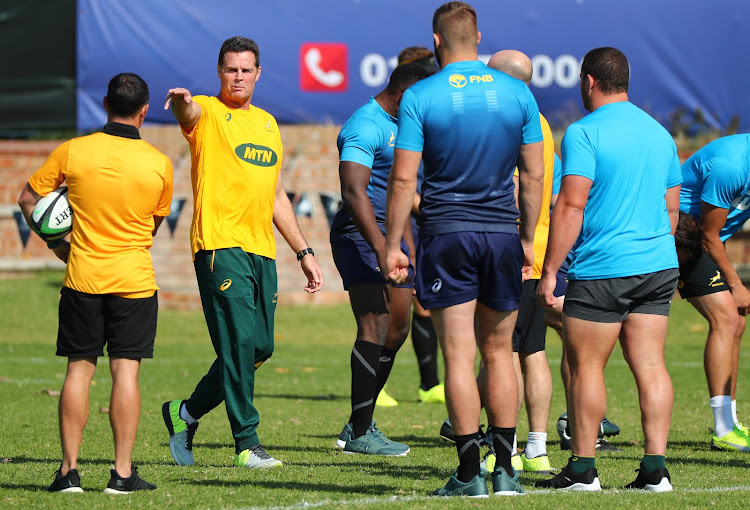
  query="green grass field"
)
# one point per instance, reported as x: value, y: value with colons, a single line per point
x: 302, y: 394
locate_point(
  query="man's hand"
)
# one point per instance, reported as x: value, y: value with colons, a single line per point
x: 528, y: 260
x: 545, y: 290
x: 178, y: 95
x: 396, y: 268
x: 313, y: 273
x: 62, y: 251
x: 742, y: 298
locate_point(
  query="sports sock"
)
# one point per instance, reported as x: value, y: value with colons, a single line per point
x: 424, y: 339
x: 185, y: 415
x: 365, y: 360
x: 468, y: 456
x: 536, y: 445
x: 387, y: 357
x: 721, y: 406
x: 734, y: 414
x: 580, y: 464
x: 502, y: 441
x: 651, y: 462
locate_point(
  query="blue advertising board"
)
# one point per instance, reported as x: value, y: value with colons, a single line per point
x: 322, y: 59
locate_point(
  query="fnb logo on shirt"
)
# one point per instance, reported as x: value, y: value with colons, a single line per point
x: 323, y: 67
x: 457, y: 80
x: 256, y: 154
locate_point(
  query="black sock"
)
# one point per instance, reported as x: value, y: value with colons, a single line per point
x: 365, y: 363
x: 424, y: 339
x: 468, y: 456
x: 387, y: 357
x: 502, y: 442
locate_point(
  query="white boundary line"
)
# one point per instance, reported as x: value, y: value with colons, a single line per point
x: 405, y: 499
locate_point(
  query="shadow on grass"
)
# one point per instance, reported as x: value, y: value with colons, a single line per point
x: 382, y: 467
x: 301, y: 486
x: 301, y: 397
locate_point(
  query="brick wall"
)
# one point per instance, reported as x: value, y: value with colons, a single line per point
x: 310, y: 173
x: 310, y: 170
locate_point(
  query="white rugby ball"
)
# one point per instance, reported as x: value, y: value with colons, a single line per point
x: 52, y: 217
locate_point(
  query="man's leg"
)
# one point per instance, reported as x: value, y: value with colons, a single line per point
x: 74, y: 409
x: 455, y: 329
x: 725, y: 329
x: 642, y: 339
x: 124, y: 410
x: 398, y: 329
x: 588, y: 346
x: 538, y: 397
x: 425, y: 341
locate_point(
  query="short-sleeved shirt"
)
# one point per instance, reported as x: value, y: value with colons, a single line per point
x: 368, y: 138
x: 557, y: 176
x: 236, y: 157
x: 116, y: 183
x: 719, y: 174
x: 632, y: 160
x: 469, y: 122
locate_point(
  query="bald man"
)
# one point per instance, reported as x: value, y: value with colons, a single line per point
x: 471, y: 254
x: 529, y: 358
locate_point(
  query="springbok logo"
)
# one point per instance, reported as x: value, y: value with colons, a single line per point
x: 256, y: 154
x: 225, y: 285
x: 714, y: 281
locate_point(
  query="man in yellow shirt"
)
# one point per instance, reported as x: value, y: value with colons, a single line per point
x: 120, y: 190
x: 236, y: 157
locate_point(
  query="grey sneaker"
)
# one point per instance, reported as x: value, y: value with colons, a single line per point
x: 395, y: 444
x: 505, y: 485
x: 180, y: 433
x: 255, y: 458
x: 474, y: 488
x: 372, y: 443
x: 346, y: 433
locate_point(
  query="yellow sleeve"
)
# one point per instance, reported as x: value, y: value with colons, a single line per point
x: 165, y: 201
x: 52, y: 173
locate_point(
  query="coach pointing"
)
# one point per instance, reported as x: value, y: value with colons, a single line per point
x: 236, y: 156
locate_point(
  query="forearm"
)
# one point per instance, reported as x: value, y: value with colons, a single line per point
x: 363, y: 216
x: 530, y: 186
x: 565, y: 226
x: 716, y: 250
x: 286, y: 223
x: 400, y: 198
x: 187, y: 114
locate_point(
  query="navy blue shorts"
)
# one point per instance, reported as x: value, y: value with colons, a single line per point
x: 562, y: 280
x: 458, y: 267
x: 357, y: 264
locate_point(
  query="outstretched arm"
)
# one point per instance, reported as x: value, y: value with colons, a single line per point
x: 286, y: 222
x: 184, y: 109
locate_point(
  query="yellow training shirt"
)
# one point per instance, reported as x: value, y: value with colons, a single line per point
x: 116, y: 185
x: 236, y: 158
x: 541, y: 234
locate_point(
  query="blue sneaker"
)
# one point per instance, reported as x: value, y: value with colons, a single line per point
x: 505, y: 485
x: 372, y: 443
x: 180, y: 433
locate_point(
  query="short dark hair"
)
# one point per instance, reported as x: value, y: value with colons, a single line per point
x: 239, y: 44
x: 127, y: 93
x: 407, y: 75
x: 456, y: 22
x: 688, y: 238
x: 418, y: 55
x: 609, y: 67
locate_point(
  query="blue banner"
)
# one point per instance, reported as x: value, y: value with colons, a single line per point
x: 322, y: 59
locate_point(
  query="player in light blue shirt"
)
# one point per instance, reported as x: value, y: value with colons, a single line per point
x: 716, y: 192
x: 366, y: 143
x: 617, y: 209
x: 470, y: 124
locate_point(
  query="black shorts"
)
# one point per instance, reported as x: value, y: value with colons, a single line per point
x: 700, y: 278
x: 530, y: 330
x: 612, y: 299
x: 88, y: 321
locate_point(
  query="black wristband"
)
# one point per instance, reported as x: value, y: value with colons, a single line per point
x: 54, y: 244
x: 305, y: 252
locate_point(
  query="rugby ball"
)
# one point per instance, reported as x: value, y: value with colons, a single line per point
x: 52, y: 217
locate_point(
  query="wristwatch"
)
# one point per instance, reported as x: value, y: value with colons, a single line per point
x: 305, y: 252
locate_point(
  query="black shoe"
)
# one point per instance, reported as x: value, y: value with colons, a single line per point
x: 657, y: 480
x: 566, y: 479
x: 446, y: 431
x: 71, y: 482
x: 120, y: 485
x: 602, y: 445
